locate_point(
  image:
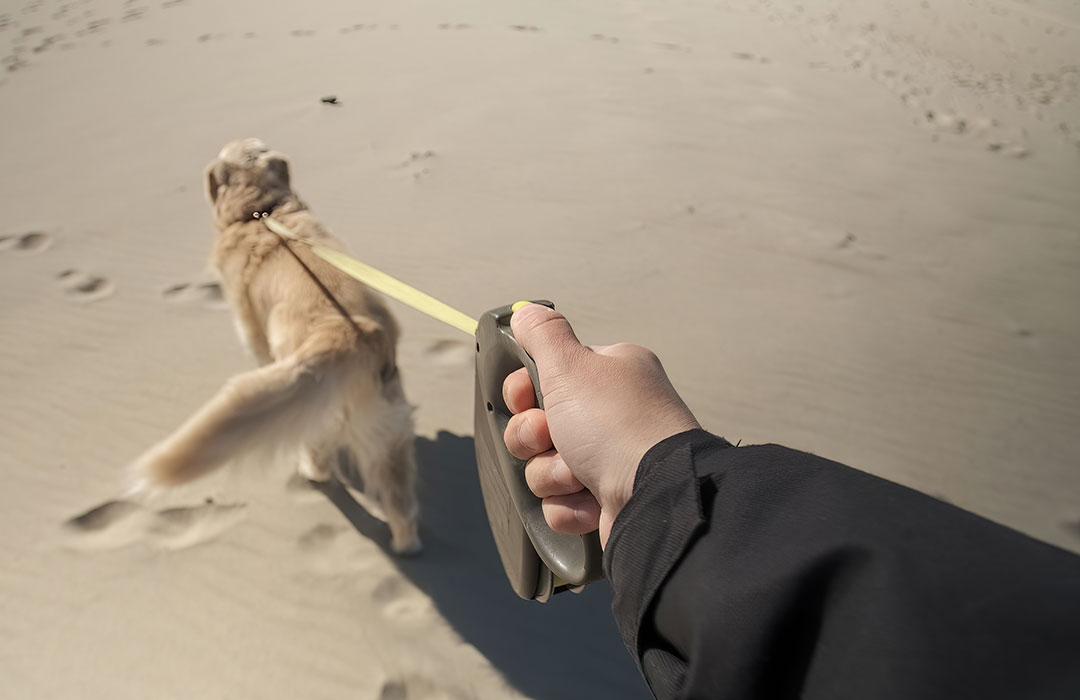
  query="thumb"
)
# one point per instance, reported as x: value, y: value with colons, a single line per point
x: 545, y: 334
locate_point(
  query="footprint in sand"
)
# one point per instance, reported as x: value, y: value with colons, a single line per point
x: 449, y: 353
x: 414, y: 688
x: 47, y: 42
x: 398, y: 600
x: 980, y: 127
x: 84, y: 287
x: 302, y: 490
x: 417, y: 163
x: 120, y: 523
x: 330, y: 550
x: 1073, y: 526
x: 26, y: 243
x: 207, y: 294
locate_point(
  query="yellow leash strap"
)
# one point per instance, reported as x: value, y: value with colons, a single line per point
x: 379, y: 281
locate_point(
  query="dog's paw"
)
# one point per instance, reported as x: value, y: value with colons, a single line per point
x: 313, y: 470
x: 139, y: 483
x: 407, y: 548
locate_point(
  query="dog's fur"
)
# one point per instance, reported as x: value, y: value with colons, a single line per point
x: 322, y: 386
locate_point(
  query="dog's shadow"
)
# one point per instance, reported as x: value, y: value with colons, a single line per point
x: 568, y: 647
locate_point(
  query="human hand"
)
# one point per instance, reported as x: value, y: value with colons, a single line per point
x: 604, y: 408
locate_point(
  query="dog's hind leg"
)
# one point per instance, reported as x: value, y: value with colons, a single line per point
x: 395, y: 483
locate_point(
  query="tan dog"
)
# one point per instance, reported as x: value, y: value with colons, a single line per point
x: 325, y: 383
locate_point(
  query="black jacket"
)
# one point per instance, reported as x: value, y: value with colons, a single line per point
x: 762, y: 572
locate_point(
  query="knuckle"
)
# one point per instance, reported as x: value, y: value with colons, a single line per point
x: 642, y: 356
x: 540, y: 322
x: 548, y: 327
x: 526, y: 432
x: 512, y: 436
x: 558, y: 516
x: 531, y: 479
x: 534, y: 477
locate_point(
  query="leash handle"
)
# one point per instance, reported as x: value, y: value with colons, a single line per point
x: 538, y: 561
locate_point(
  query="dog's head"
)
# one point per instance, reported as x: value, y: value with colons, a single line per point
x: 245, y: 179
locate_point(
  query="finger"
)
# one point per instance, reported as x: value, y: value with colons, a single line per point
x: 547, y: 475
x: 545, y: 334
x: 518, y: 391
x: 575, y: 514
x: 527, y: 435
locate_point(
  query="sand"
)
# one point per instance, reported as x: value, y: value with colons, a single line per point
x: 850, y: 228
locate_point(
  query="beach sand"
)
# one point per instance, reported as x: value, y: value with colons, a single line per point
x: 849, y: 228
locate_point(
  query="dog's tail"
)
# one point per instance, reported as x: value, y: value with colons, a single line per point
x: 259, y: 410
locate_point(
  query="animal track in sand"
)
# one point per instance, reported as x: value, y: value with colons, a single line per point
x: 26, y: 243
x: 398, y: 600
x: 207, y: 294
x: 414, y: 688
x: 1073, y: 526
x: 331, y: 550
x: 120, y: 523
x: 416, y: 163
x: 302, y: 490
x: 979, y: 127
x: 84, y: 287
x: 449, y: 353
x: 746, y: 56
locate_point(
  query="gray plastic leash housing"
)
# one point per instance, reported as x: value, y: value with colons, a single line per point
x: 538, y: 561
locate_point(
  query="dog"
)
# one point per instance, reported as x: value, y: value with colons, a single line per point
x: 328, y: 379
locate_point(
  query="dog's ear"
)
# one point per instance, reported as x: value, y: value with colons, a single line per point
x: 278, y: 168
x: 217, y: 175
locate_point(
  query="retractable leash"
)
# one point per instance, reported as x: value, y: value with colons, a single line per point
x: 538, y: 561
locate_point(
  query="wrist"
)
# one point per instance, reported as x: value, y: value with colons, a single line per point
x: 620, y: 486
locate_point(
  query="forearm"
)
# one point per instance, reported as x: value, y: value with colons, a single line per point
x: 762, y: 572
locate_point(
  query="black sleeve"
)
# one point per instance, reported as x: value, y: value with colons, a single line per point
x: 763, y: 572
